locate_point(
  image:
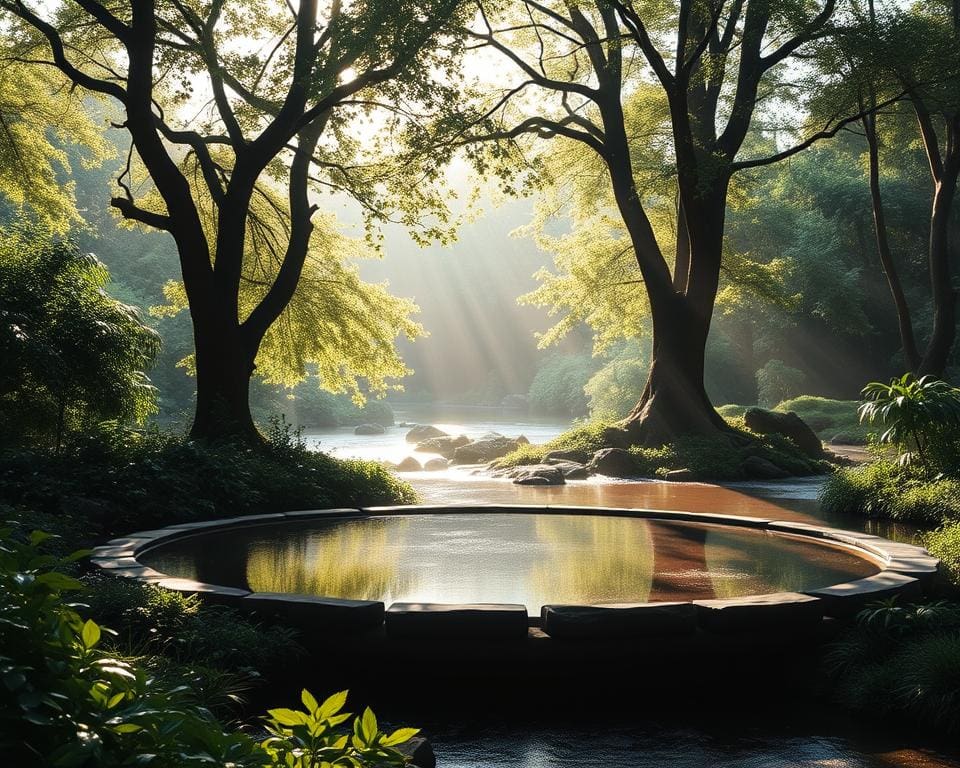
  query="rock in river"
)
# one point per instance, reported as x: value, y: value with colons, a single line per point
x: 423, y: 432
x: 409, y: 464
x: 369, y: 429
x: 539, y: 474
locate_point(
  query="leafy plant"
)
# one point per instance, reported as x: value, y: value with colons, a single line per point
x: 66, y: 701
x: 915, y: 412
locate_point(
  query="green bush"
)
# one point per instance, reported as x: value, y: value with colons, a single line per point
x: 616, y: 388
x: 557, y: 387
x: 901, y: 661
x: 777, y: 381
x: 920, y: 418
x: 884, y: 489
x: 118, y: 480
x: 732, y: 411
x: 945, y: 544
x: 184, y: 629
x: 66, y: 701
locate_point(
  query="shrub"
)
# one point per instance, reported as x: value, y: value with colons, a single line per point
x: 557, y: 387
x: 777, y: 381
x: 883, y: 489
x: 117, y: 480
x: 66, y: 701
x: 616, y: 388
x: 920, y: 416
x: 903, y: 661
x: 183, y: 629
x: 945, y: 544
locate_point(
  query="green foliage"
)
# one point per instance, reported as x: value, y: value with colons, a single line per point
x: 72, y: 354
x: 719, y: 458
x: 182, y: 628
x: 777, y: 381
x: 118, y: 480
x: 584, y: 437
x: 558, y: 387
x: 945, y: 544
x: 40, y: 118
x: 722, y: 457
x: 616, y: 388
x: 921, y: 417
x: 901, y: 661
x: 883, y: 489
x: 67, y: 701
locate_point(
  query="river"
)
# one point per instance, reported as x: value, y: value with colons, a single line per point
x: 723, y: 740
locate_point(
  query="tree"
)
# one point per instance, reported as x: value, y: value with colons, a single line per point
x: 72, y: 355
x: 236, y: 110
x: 39, y: 117
x: 914, y: 53
x: 707, y: 67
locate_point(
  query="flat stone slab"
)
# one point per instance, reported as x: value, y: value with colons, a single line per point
x: 777, y: 611
x: 310, y: 612
x: 848, y: 599
x: 597, y: 622
x: 210, y: 592
x: 322, y: 513
x: 465, y: 621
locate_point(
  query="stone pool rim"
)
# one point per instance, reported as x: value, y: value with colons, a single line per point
x: 902, y: 569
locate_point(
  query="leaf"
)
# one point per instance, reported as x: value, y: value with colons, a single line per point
x: 400, y: 736
x: 90, y: 634
x: 288, y: 717
x: 126, y: 728
x: 309, y: 701
x: 332, y: 705
x: 58, y: 581
x: 368, y: 725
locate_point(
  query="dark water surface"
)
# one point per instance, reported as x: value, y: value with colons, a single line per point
x: 530, y: 559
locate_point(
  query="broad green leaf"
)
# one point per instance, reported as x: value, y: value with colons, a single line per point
x: 309, y: 701
x: 288, y: 717
x: 90, y: 635
x: 400, y: 736
x: 332, y: 705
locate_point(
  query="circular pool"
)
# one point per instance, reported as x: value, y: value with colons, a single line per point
x: 579, y: 570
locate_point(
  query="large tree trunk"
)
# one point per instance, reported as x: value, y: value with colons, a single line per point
x: 674, y: 402
x: 941, y: 279
x: 911, y: 355
x: 224, y: 368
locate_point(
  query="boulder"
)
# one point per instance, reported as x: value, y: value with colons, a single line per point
x: 762, y: 469
x: 445, y: 446
x: 420, y: 752
x: 581, y: 457
x: 369, y: 429
x: 572, y: 470
x: 787, y: 424
x: 613, y: 462
x: 423, y: 432
x: 489, y: 447
x: 680, y: 475
x: 409, y: 464
x: 523, y: 440
x: 539, y: 474
x: 435, y: 465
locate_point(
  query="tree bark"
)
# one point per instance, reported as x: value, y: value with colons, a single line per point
x: 911, y: 356
x: 941, y: 278
x: 224, y: 366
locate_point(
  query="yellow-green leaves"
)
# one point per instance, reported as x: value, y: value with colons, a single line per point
x: 90, y: 634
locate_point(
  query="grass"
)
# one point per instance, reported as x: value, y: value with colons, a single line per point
x: 833, y: 420
x: 706, y: 458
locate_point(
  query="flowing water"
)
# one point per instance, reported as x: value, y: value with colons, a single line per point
x: 761, y: 739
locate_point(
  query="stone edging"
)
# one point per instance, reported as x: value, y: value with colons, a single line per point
x: 904, y: 569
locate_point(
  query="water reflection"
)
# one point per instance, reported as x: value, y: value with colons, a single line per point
x: 351, y: 561
x: 509, y: 558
